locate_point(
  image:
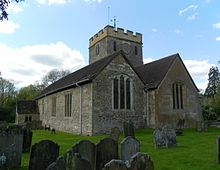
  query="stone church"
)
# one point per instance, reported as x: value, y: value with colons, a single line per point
x: 116, y: 86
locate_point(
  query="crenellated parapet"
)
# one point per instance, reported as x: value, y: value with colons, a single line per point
x: 117, y: 33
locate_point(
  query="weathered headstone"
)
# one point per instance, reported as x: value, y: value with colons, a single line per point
x: 115, y: 165
x: 27, y: 139
x: 43, y: 154
x: 129, y: 147
x: 115, y: 133
x: 128, y: 128
x: 87, y: 150
x: 170, y: 136
x: 79, y: 163
x: 58, y: 165
x: 106, y: 150
x: 68, y: 156
x: 218, y: 149
x: 11, y: 139
x: 159, y: 139
x: 140, y: 161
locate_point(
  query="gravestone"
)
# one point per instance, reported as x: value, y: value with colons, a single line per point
x: 170, y: 136
x: 218, y: 149
x: 43, y: 154
x: 128, y: 128
x: 159, y: 139
x: 115, y: 165
x: 27, y: 139
x: 140, y: 161
x: 11, y: 139
x: 115, y: 133
x: 68, y: 156
x: 58, y: 165
x: 106, y: 150
x: 79, y: 163
x: 129, y: 147
x: 87, y: 150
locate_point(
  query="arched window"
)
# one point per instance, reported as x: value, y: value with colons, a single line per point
x: 26, y: 118
x: 30, y: 118
x: 177, y: 90
x: 121, y: 92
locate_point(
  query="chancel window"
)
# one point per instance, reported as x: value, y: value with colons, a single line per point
x: 68, y: 104
x: 54, y: 106
x: 177, y: 89
x: 121, y: 92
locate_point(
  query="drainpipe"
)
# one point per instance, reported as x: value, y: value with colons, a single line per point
x: 80, y: 109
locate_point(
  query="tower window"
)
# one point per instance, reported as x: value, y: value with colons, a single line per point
x: 114, y: 46
x: 97, y: 49
x: 121, y: 92
x: 177, y: 89
x: 135, y: 50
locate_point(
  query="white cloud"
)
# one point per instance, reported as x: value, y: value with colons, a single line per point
x: 217, y: 38
x: 189, y: 8
x: 52, y: 2
x: 30, y: 63
x: 148, y: 60
x: 14, y: 8
x: 154, y: 30
x: 192, y: 17
x: 217, y: 25
x: 178, y: 31
x: 8, y: 27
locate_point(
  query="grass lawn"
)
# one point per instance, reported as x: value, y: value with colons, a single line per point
x: 195, y: 150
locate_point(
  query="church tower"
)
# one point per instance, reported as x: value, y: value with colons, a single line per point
x: 110, y: 40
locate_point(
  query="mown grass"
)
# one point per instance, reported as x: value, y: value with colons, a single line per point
x: 195, y: 150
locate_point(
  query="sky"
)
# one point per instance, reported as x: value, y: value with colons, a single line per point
x: 42, y: 35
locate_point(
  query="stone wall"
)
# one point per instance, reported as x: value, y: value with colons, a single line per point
x: 69, y: 124
x: 21, y: 118
x: 104, y: 116
x: 191, y: 111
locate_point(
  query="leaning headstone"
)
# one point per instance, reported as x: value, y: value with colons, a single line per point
x: 129, y: 147
x: 27, y: 138
x: 43, y: 154
x: 106, y: 150
x: 128, y: 128
x: 115, y: 165
x: 87, y: 150
x: 140, y: 161
x: 159, y: 139
x: 58, y: 165
x: 68, y: 156
x: 218, y: 149
x: 79, y: 163
x: 170, y: 136
x: 11, y: 139
x: 115, y: 133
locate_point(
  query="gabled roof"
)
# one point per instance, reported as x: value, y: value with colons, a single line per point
x: 153, y: 73
x: 27, y: 107
x: 83, y: 75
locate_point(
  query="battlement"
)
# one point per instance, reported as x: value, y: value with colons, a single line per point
x: 118, y: 33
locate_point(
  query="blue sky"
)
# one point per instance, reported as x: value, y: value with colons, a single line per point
x: 41, y: 35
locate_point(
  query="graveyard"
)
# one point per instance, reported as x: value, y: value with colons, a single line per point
x: 194, y: 150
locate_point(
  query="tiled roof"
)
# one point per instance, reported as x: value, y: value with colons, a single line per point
x: 153, y: 73
x: 27, y: 107
x: 83, y: 75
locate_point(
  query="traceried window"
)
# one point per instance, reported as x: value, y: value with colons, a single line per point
x: 54, y: 106
x: 68, y: 104
x: 177, y: 89
x: 121, y: 92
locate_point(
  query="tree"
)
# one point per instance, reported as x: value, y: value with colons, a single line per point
x: 53, y: 76
x: 214, y: 75
x: 30, y: 92
x: 3, y: 7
